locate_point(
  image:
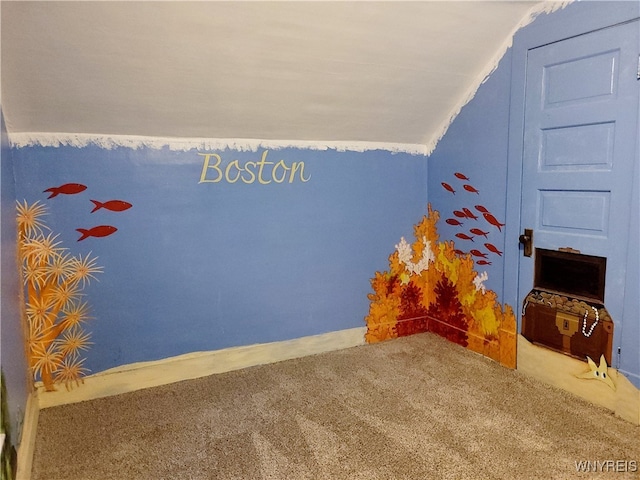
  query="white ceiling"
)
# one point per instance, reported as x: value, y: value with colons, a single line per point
x: 310, y: 71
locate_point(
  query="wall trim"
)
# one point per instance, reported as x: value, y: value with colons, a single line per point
x: 27, y: 445
x: 109, y: 142
x: 137, y: 376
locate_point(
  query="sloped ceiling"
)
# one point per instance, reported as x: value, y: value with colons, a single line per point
x: 312, y: 71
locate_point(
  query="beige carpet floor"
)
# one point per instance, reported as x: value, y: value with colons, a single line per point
x: 414, y: 408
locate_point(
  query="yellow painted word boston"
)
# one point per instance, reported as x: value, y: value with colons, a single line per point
x: 263, y: 172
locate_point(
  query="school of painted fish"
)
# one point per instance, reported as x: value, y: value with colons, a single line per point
x: 111, y: 205
x: 461, y: 216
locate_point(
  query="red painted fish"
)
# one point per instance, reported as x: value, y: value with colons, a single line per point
x: 66, y: 189
x: 464, y: 236
x: 113, y: 205
x: 483, y: 262
x: 461, y: 176
x: 448, y: 187
x: 477, y: 231
x: 493, y: 221
x: 478, y: 253
x: 493, y: 248
x: 482, y: 209
x: 459, y: 214
x: 469, y: 188
x: 459, y: 252
x: 469, y: 214
x: 453, y: 221
x: 99, y: 231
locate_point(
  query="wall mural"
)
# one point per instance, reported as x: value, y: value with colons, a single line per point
x: 432, y: 286
x: 598, y: 372
x: 55, y: 311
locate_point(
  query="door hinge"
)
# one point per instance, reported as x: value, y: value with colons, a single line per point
x: 638, y: 74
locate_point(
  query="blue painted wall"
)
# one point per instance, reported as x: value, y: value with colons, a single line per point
x: 203, y: 266
x: 13, y: 360
x: 630, y: 335
x: 475, y: 145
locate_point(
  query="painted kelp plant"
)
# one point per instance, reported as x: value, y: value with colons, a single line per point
x: 433, y: 287
x: 55, y: 311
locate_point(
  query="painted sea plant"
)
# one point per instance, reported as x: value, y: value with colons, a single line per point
x: 431, y: 286
x: 55, y: 311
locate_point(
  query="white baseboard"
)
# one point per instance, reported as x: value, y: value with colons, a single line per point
x: 27, y: 445
x: 136, y: 376
x: 560, y: 371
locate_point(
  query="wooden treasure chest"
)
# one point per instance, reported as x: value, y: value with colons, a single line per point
x: 565, y: 310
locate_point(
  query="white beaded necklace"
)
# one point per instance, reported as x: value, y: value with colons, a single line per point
x: 584, y: 322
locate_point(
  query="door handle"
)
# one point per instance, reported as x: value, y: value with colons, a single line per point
x: 526, y: 239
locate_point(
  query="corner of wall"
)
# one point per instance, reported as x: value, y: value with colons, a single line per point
x: 27, y: 446
x: 14, y: 363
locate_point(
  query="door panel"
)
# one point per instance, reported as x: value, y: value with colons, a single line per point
x: 576, y: 148
x: 561, y: 88
x: 574, y: 212
x: 580, y: 128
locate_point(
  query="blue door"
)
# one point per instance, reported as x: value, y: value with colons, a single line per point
x: 579, y: 149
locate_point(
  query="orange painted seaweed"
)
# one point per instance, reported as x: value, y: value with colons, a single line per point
x: 54, y: 310
x: 431, y: 287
